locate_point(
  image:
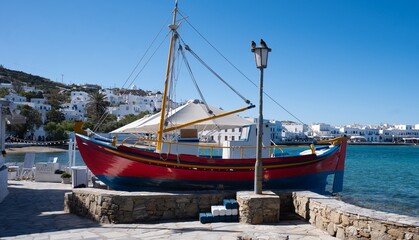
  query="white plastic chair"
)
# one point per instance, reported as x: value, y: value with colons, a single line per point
x: 52, y: 159
x: 27, y: 171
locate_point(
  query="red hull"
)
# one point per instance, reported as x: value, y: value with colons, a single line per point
x: 125, y: 168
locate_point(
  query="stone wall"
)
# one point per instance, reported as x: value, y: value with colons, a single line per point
x: 346, y: 221
x: 106, y: 206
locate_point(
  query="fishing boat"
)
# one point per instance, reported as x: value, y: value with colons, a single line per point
x: 177, y: 160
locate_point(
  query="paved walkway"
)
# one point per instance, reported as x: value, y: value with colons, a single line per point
x: 35, y: 211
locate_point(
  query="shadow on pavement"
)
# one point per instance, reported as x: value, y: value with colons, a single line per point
x: 28, y: 211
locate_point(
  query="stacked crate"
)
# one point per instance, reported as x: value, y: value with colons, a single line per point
x: 228, y: 212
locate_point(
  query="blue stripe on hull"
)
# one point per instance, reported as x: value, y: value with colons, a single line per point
x: 315, y: 182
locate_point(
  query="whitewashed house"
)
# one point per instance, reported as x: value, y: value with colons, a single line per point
x: 76, y: 109
x: 292, y: 131
x: 324, y: 131
x: 134, y: 104
x: 15, y: 98
x: 42, y: 107
x: 276, y: 130
x: 31, y: 89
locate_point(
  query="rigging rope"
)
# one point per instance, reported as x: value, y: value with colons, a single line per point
x: 213, y: 72
x: 266, y: 94
x: 149, y: 59
x: 194, y: 80
x: 145, y: 53
x: 106, y: 113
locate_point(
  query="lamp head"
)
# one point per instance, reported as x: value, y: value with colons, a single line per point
x: 261, y: 54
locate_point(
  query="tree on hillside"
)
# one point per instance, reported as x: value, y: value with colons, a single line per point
x: 18, y: 87
x: 4, y: 92
x: 68, y: 125
x: 56, y: 98
x: 132, y: 117
x: 30, y: 95
x: 114, y: 124
x: 109, y: 125
x: 96, y: 106
x: 33, y: 120
x: 55, y: 132
x: 55, y: 116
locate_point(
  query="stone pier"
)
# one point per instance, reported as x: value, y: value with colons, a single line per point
x: 337, y: 218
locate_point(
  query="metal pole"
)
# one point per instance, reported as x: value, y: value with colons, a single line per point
x: 258, y: 164
x: 2, y: 134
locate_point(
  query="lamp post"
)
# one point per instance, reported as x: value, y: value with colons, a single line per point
x: 261, y: 57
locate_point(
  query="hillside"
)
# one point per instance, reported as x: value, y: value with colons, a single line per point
x: 48, y: 86
x: 22, y: 78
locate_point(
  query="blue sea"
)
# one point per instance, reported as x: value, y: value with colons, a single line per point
x: 384, y: 178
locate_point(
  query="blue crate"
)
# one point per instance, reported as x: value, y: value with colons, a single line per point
x: 227, y: 203
x: 234, y: 204
x: 206, y: 218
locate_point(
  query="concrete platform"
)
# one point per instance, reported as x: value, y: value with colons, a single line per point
x: 35, y: 210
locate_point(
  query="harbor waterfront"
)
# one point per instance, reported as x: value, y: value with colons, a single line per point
x: 376, y: 177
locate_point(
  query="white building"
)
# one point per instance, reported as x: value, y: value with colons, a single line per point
x: 292, y: 131
x: 133, y: 104
x: 222, y: 135
x: 31, y: 89
x: 324, y: 131
x: 41, y: 105
x: 276, y: 130
x: 6, y: 85
x: 15, y: 98
x: 403, y: 127
x: 371, y: 134
x: 76, y: 109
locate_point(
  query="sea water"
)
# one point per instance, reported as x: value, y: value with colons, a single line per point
x: 384, y: 178
x: 44, y: 157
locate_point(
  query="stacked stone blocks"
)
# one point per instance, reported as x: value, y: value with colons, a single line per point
x: 258, y: 208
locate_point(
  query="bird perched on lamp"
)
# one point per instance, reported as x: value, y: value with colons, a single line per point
x: 263, y: 44
x: 253, y: 44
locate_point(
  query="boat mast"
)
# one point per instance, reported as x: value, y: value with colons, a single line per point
x: 172, y: 27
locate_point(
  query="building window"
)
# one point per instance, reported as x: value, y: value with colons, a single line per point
x: 225, y: 138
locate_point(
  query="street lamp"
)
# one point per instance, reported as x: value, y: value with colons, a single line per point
x: 261, y: 57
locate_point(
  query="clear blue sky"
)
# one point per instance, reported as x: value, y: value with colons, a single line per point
x: 339, y: 62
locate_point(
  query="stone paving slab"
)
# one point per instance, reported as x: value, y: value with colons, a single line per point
x: 34, y: 210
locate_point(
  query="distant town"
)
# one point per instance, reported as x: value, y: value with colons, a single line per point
x: 281, y: 131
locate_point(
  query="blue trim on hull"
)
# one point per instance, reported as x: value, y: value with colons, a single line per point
x: 315, y: 182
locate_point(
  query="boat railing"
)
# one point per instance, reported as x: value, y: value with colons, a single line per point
x: 215, y: 150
